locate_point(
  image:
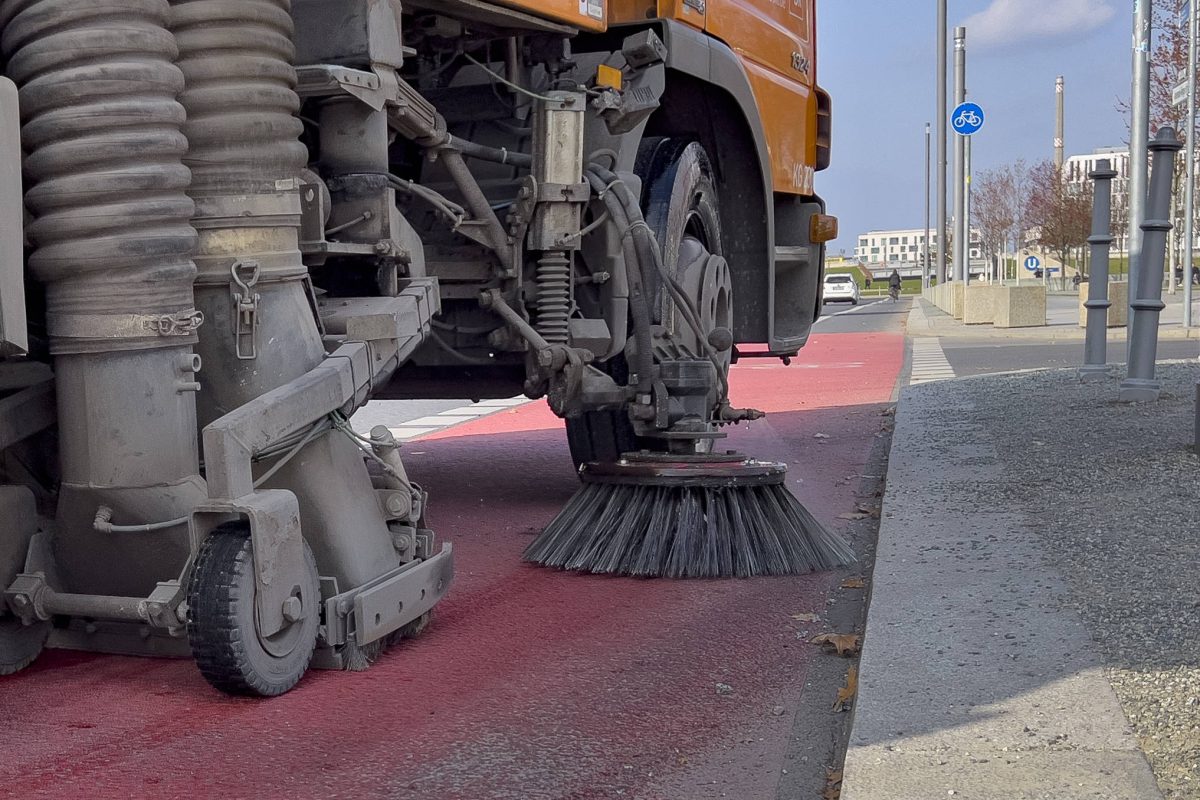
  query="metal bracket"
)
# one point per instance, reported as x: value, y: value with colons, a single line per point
x: 244, y: 277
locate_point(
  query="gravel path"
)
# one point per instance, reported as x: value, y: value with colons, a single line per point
x: 1118, y: 491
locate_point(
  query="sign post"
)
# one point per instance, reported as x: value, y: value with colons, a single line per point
x: 966, y: 120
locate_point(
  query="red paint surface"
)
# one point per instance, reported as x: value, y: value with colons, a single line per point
x: 531, y: 683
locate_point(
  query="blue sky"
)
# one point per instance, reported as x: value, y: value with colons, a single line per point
x: 877, y: 58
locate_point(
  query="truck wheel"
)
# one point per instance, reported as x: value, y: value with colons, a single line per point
x: 222, y: 624
x: 679, y: 202
x: 20, y: 644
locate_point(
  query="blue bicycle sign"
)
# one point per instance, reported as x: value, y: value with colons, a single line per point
x: 967, y: 119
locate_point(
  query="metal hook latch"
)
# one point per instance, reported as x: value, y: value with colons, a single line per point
x: 245, y: 308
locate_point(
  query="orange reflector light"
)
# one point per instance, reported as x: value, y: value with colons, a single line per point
x: 823, y: 228
x: 609, y: 77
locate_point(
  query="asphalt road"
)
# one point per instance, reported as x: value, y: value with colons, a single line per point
x: 972, y: 357
x: 531, y: 684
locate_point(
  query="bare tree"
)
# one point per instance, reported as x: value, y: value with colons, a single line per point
x: 991, y: 209
x: 1062, y: 217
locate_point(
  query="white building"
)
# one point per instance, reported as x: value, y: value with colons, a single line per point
x: 1075, y: 173
x: 902, y: 247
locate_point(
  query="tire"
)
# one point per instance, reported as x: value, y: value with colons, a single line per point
x: 222, y: 627
x: 679, y: 200
x: 20, y: 644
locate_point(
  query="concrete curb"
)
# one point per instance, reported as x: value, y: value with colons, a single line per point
x: 976, y: 681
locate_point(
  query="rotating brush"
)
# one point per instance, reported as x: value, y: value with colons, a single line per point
x: 704, y: 516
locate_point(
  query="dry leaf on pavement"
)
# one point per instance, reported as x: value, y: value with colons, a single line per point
x: 853, y: 583
x: 846, y: 694
x: 853, y: 515
x: 843, y: 643
x: 806, y: 617
x: 870, y: 511
x: 833, y: 785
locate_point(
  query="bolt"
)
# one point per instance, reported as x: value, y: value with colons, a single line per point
x: 21, y: 601
x: 383, y: 248
x: 292, y: 610
x: 396, y: 504
x: 545, y: 358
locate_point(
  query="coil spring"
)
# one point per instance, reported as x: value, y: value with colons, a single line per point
x: 553, y: 277
x: 101, y: 127
x: 241, y: 99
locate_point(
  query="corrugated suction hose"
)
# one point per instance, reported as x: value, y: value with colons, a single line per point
x: 113, y: 247
x: 113, y: 243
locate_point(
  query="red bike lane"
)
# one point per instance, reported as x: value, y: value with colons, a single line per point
x: 530, y: 683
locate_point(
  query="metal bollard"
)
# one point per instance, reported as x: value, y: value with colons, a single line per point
x: 1095, y: 348
x: 1140, y: 384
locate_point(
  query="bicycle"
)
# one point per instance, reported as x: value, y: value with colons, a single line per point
x: 894, y: 293
x: 967, y: 119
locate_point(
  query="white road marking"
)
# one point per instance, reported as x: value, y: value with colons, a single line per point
x: 849, y: 310
x: 450, y: 418
x: 929, y: 362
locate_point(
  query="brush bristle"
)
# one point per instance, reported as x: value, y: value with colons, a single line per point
x: 687, y: 532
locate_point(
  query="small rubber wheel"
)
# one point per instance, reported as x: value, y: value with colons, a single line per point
x: 20, y: 644
x: 223, y: 627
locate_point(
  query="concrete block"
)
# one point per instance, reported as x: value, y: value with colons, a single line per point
x: 1118, y: 312
x: 956, y: 290
x: 1020, y: 306
x: 979, y: 301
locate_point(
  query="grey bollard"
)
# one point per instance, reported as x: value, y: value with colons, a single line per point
x: 1095, y: 348
x: 1140, y: 384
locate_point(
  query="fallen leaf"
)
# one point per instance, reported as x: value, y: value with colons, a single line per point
x: 870, y: 511
x: 833, y: 785
x: 843, y: 643
x: 890, y: 411
x: 806, y: 617
x: 853, y: 515
x: 853, y: 583
x: 846, y: 693
x: 820, y: 435
x: 724, y: 689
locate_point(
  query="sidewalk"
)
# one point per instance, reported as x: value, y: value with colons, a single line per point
x: 1034, y: 628
x: 926, y: 319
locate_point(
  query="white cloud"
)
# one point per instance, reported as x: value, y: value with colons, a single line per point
x: 1006, y: 21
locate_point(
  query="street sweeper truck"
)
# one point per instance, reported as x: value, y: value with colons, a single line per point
x: 225, y: 225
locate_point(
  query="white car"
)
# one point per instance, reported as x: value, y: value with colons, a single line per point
x: 841, y: 288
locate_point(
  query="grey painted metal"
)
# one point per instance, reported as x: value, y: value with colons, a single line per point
x: 925, y: 258
x: 960, y: 156
x: 1059, y: 121
x: 1139, y: 136
x: 1189, y: 219
x: 1095, y: 356
x: 13, y: 330
x: 1140, y: 384
x: 245, y: 153
x: 112, y: 247
x: 942, y: 122
x: 967, y: 145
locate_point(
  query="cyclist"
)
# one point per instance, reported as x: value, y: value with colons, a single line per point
x: 894, y: 285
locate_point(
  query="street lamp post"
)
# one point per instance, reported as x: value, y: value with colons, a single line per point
x: 941, y: 141
x: 1139, y: 140
x: 925, y: 267
x: 961, y: 226
x: 1190, y: 192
